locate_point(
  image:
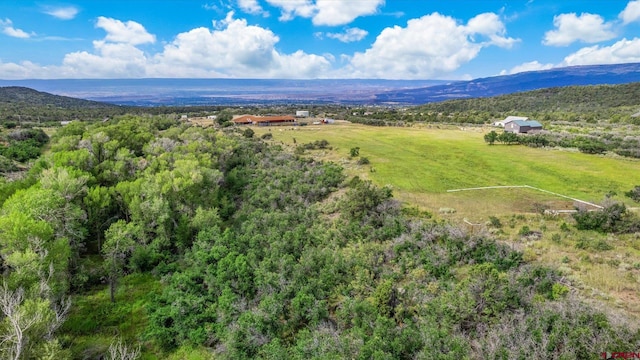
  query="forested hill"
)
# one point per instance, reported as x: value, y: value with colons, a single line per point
x: 578, y: 99
x: 26, y: 96
x: 25, y: 105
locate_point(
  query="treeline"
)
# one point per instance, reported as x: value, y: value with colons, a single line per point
x: 576, y: 102
x: 620, y: 144
x: 258, y: 255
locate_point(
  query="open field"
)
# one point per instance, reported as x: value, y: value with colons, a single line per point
x: 421, y: 164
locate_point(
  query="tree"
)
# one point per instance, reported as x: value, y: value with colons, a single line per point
x: 508, y: 138
x: 223, y: 117
x: 248, y: 133
x: 117, y: 247
x: 491, y: 137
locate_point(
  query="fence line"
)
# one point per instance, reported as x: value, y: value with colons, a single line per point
x: 528, y: 187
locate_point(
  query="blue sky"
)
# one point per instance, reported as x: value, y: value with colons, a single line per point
x: 383, y: 39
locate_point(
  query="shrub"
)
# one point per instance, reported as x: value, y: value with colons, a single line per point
x: 495, y: 222
x: 248, y: 133
x: 634, y: 193
x: 524, y: 231
x: 363, y: 161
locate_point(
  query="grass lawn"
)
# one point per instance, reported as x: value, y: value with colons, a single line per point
x: 421, y: 164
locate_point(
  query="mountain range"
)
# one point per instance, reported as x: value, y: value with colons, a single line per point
x: 508, y: 84
x: 238, y: 92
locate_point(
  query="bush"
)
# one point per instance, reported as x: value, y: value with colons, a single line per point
x: 634, y: 193
x: 363, y: 161
x: 524, y: 231
x: 248, y: 133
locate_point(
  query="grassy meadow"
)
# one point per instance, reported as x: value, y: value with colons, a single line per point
x: 421, y: 164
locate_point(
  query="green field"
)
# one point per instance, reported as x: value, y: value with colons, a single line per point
x: 421, y: 164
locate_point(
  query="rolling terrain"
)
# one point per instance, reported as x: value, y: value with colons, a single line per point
x: 243, y: 92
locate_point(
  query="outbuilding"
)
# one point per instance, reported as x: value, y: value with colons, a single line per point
x: 523, y: 127
x: 508, y: 119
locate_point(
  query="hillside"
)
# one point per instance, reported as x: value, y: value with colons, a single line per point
x: 21, y: 104
x: 580, y: 99
x: 31, y: 97
x: 507, y: 84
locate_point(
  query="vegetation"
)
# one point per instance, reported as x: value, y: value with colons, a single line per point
x: 146, y: 237
x: 179, y: 239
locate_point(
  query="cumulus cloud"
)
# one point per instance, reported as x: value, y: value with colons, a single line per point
x: 230, y: 49
x: 62, y: 13
x: 623, y: 51
x: 349, y: 35
x: 631, y: 12
x: 428, y: 47
x: 252, y: 7
x: 111, y: 60
x: 528, y: 66
x: 326, y: 12
x: 9, y: 30
x: 237, y: 50
x: 588, y: 28
x: 129, y: 32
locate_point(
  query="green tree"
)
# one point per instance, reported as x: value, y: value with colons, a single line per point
x: 117, y: 248
x: 491, y: 137
x: 223, y: 117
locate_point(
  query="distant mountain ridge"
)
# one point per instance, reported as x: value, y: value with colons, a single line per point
x: 520, y: 82
x: 239, y: 92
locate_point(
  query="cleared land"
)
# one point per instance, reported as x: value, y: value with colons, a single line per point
x: 421, y: 164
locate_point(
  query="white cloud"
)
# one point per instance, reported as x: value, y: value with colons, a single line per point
x: 326, y: 12
x: 237, y: 50
x: 631, y: 12
x: 623, y: 51
x: 9, y: 30
x: 232, y: 48
x: 528, y: 66
x: 588, y: 28
x: 292, y: 8
x: 331, y: 12
x: 252, y: 7
x: 349, y: 35
x: 129, y: 32
x: 62, y: 13
x: 429, y: 47
x: 111, y: 60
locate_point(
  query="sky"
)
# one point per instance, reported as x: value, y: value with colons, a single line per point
x: 311, y: 39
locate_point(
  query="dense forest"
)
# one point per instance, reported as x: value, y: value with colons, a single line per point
x: 240, y: 249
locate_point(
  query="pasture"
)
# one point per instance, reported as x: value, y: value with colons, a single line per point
x: 422, y: 163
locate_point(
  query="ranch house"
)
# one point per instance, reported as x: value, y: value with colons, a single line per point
x: 522, y: 126
x: 264, y: 120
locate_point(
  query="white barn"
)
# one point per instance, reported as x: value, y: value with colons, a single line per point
x: 302, y: 113
x: 509, y: 119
